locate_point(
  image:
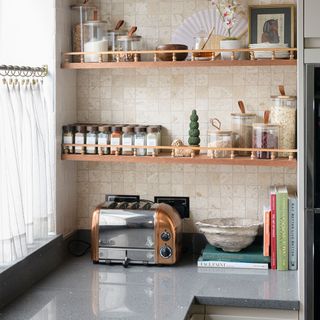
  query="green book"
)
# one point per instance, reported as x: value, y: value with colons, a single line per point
x: 282, y: 226
x: 252, y: 254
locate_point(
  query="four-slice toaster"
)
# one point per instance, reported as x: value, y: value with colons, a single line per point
x: 137, y: 233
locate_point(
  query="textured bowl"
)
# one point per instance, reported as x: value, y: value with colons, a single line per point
x: 168, y: 56
x: 229, y: 234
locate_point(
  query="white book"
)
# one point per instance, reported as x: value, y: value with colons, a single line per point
x: 227, y: 264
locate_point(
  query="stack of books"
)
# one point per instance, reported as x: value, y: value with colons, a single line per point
x: 281, y: 229
x: 248, y: 258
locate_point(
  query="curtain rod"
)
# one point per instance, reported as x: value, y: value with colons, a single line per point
x: 23, y: 71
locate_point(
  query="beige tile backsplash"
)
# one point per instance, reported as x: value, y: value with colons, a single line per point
x: 167, y: 97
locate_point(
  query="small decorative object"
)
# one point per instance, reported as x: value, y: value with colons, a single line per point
x: 180, y: 152
x: 272, y: 24
x: 194, y: 132
x: 228, y: 11
x: 229, y: 234
x: 180, y: 56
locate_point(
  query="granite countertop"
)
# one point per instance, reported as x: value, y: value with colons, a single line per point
x: 82, y: 290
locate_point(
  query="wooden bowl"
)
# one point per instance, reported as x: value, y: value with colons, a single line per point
x: 168, y: 56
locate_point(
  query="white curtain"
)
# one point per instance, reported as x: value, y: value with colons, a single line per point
x: 26, y: 168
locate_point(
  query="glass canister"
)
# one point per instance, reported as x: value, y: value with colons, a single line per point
x: 201, y: 42
x: 113, y: 43
x: 116, y: 139
x: 265, y: 136
x: 140, y: 139
x: 129, y: 43
x: 220, y: 139
x: 152, y: 139
x: 104, y: 138
x: 95, y: 40
x: 79, y: 138
x: 91, y: 138
x: 284, y: 114
x: 68, y: 137
x: 241, y: 125
x: 128, y: 140
x: 80, y: 14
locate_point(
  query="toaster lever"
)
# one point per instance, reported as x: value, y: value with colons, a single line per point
x: 126, y: 262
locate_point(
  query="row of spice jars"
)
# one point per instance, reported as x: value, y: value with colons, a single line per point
x: 130, y: 136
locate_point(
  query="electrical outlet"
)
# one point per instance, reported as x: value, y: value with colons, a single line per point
x: 122, y: 198
x: 181, y: 204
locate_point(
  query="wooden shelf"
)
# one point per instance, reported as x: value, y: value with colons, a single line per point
x: 166, y: 158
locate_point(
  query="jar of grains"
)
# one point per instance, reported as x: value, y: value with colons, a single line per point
x: 67, y: 138
x: 79, y: 138
x: 129, y: 43
x: 220, y: 139
x: 116, y: 139
x: 284, y: 113
x: 152, y: 139
x: 104, y: 138
x: 241, y: 125
x: 127, y: 140
x: 265, y: 136
x: 91, y: 138
x: 140, y: 139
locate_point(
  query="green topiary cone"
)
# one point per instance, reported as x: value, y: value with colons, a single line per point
x: 194, y: 131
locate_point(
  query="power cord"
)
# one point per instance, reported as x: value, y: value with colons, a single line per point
x: 78, y: 248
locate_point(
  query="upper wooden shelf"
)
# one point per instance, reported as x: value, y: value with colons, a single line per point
x: 150, y: 59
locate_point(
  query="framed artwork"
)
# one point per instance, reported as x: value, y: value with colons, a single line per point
x: 273, y: 24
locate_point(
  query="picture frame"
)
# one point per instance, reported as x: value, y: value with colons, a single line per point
x: 272, y: 23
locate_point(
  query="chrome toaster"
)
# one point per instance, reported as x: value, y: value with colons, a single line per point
x: 137, y: 233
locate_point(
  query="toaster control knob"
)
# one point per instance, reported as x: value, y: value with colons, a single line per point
x: 165, y: 236
x: 165, y: 252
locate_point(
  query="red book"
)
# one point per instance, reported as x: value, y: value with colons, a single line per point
x: 273, y: 191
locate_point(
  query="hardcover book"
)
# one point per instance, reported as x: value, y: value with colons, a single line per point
x: 225, y: 264
x: 282, y: 228
x: 273, y: 227
x: 266, y: 232
x: 293, y: 232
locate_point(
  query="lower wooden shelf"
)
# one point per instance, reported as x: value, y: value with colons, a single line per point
x: 166, y: 158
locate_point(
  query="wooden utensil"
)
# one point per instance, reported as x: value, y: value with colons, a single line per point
x: 241, y: 106
x: 266, y: 116
x: 282, y: 91
x: 216, y: 123
x: 209, y: 36
x: 132, y: 31
x: 119, y: 24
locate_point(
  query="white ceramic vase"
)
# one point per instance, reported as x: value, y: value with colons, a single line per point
x: 230, y: 44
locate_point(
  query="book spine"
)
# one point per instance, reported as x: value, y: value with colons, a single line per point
x: 237, y: 265
x: 266, y: 234
x: 293, y: 234
x: 273, y: 232
x: 282, y: 231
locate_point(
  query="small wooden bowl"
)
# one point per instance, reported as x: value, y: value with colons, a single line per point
x: 168, y: 56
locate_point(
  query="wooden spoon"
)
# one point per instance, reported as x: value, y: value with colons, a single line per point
x: 282, y: 91
x: 266, y: 116
x: 119, y: 24
x: 132, y: 31
x: 241, y: 106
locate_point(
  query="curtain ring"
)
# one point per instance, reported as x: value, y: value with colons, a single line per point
x: 24, y: 73
x: 10, y: 71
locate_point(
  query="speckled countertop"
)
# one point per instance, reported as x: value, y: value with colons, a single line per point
x: 83, y: 291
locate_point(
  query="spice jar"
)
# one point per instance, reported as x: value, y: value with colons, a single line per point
x: 284, y: 113
x: 91, y: 138
x: 241, y: 125
x: 152, y: 139
x: 129, y: 43
x: 79, y: 138
x: 140, y: 139
x: 67, y: 138
x: 115, y: 140
x: 265, y: 136
x: 104, y: 138
x: 128, y: 140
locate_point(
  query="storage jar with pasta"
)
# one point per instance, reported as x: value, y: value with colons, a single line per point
x: 283, y: 113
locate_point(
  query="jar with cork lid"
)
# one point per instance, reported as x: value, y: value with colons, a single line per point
x: 152, y: 140
x: 68, y: 138
x: 92, y: 138
x: 140, y: 139
x: 104, y: 138
x: 79, y: 138
x: 116, y: 139
x: 128, y: 140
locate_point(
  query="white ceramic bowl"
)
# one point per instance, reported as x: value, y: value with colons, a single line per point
x: 229, y: 234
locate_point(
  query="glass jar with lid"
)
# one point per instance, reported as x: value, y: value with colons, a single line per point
x: 104, y: 138
x: 129, y: 43
x: 152, y: 140
x: 241, y: 125
x: 91, y: 138
x: 113, y: 43
x: 128, y: 140
x: 220, y: 139
x: 79, y: 138
x: 201, y: 43
x: 96, y: 40
x: 116, y: 139
x: 284, y: 114
x: 140, y: 139
x: 265, y: 136
x: 68, y: 138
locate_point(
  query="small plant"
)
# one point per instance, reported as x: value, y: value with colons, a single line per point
x: 194, y: 131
